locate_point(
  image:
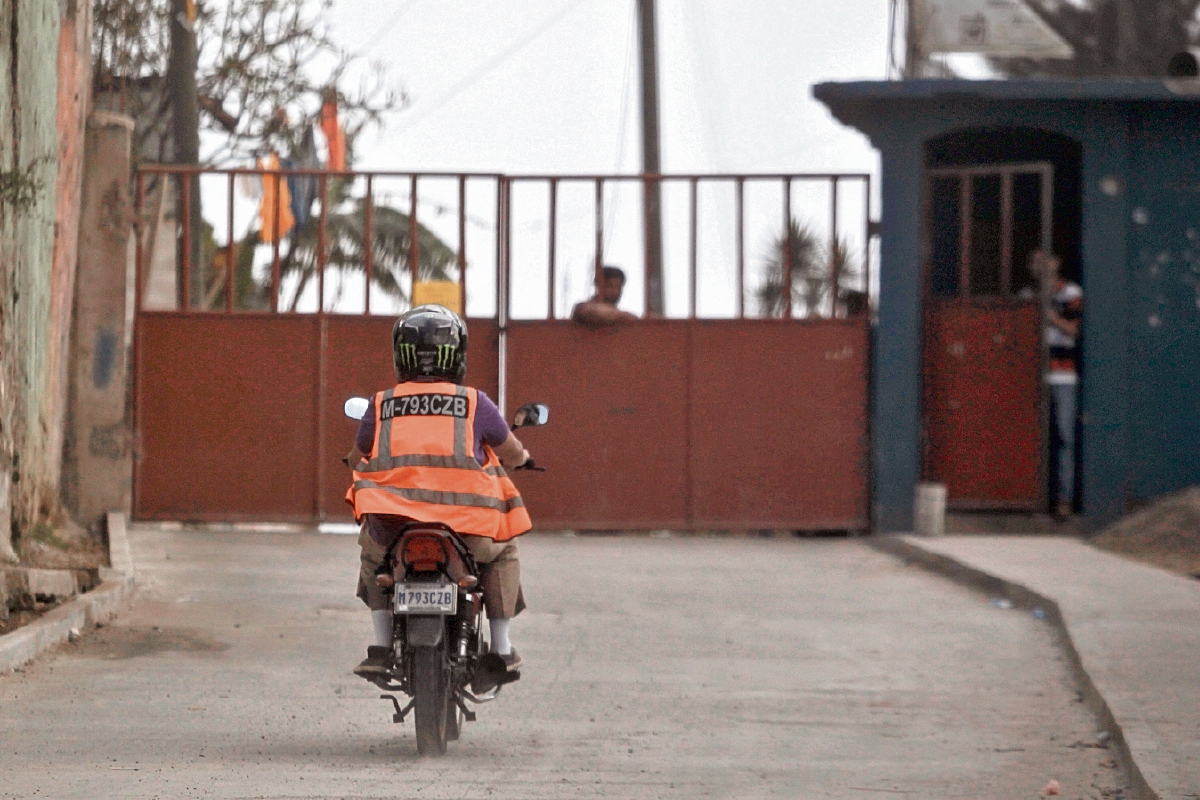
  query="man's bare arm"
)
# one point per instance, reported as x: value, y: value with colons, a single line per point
x: 512, y: 453
x: 353, y: 458
x: 594, y: 313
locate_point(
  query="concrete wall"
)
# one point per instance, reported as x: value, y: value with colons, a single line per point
x: 1163, y: 290
x: 98, y: 467
x: 40, y: 130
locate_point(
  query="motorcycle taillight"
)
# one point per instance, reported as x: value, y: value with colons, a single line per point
x: 423, y: 553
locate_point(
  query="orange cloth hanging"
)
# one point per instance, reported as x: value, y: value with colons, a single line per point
x: 334, y: 135
x: 269, y: 211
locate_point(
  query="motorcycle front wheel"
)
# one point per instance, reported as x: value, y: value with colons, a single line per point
x: 431, y: 693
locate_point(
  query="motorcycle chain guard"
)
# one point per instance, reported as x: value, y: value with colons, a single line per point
x: 425, y: 631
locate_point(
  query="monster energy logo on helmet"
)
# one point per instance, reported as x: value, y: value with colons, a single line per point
x: 445, y: 355
x: 406, y: 355
x: 429, y: 341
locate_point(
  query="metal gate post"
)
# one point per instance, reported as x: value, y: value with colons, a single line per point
x: 503, y: 231
x: 139, y: 268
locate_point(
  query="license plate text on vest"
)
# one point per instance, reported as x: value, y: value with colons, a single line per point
x: 425, y: 405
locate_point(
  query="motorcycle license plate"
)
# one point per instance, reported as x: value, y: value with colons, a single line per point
x: 426, y: 598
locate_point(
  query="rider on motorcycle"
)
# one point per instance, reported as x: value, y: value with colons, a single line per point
x: 430, y: 450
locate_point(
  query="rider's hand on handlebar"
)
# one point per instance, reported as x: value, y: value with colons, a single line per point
x: 514, y: 463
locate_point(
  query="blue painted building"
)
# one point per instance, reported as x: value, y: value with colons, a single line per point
x: 1125, y: 203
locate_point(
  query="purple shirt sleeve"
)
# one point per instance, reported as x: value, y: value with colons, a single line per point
x: 364, y: 440
x: 490, y: 427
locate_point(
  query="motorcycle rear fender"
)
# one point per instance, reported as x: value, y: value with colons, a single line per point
x: 425, y: 631
x: 455, y: 569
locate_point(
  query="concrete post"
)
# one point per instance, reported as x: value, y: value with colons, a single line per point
x: 98, y: 468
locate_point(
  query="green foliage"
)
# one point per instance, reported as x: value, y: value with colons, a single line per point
x: 19, y: 189
x: 346, y: 247
x: 812, y: 266
x: 44, y: 533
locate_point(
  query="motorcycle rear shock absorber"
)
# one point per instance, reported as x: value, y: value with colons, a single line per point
x: 463, y: 630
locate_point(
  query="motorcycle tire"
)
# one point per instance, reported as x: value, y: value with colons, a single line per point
x: 431, y: 693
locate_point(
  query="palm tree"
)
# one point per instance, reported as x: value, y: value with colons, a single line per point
x: 346, y: 248
x: 813, y: 263
x: 345, y: 251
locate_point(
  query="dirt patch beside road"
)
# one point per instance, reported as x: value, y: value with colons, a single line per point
x: 1165, y: 533
x: 17, y: 619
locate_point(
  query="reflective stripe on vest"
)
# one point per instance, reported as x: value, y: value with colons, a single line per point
x: 446, y: 462
x: 447, y: 498
x: 422, y: 465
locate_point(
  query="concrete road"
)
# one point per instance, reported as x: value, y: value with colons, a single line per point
x: 674, y: 668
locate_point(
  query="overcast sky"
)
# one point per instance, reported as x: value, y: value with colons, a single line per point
x: 545, y: 85
x: 551, y: 86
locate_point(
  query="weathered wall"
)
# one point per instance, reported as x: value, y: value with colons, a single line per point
x: 1163, y: 286
x: 35, y: 289
x: 98, y: 466
x: 74, y: 89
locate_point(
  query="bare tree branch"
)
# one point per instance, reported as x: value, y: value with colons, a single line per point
x: 264, y: 67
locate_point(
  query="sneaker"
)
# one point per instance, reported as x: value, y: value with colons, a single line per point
x: 377, y: 663
x: 512, y: 661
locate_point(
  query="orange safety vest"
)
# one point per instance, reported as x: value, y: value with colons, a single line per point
x: 422, y: 465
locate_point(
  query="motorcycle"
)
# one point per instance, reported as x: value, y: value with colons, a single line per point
x: 439, y: 657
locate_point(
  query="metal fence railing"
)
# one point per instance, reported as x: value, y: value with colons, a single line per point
x: 313, y: 241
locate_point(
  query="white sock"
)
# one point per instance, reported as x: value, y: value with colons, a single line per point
x: 500, y: 643
x: 382, y: 620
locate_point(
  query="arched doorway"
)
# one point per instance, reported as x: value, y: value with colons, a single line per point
x: 992, y: 197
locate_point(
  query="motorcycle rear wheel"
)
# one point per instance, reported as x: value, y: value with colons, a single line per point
x: 431, y: 693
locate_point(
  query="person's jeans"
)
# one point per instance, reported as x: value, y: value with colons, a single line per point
x: 1062, y: 441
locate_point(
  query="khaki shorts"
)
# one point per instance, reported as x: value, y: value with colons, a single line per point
x: 499, y: 575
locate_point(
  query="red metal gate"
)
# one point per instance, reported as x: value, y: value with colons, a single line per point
x: 662, y: 423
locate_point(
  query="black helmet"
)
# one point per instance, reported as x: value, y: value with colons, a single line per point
x: 430, y: 342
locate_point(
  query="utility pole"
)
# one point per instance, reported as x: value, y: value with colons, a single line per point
x: 913, y: 67
x: 185, y: 136
x: 651, y: 163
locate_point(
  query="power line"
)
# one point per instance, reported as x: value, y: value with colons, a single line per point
x: 412, y: 119
x: 892, y: 69
x: 623, y: 126
x: 710, y: 98
x: 387, y: 28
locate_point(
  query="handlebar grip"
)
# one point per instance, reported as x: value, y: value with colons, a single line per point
x: 530, y: 465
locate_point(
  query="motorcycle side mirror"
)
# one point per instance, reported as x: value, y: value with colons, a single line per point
x: 356, y: 407
x: 531, y: 414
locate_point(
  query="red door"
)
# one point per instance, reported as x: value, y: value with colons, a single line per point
x: 984, y: 418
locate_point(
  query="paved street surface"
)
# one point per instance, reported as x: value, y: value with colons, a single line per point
x: 674, y: 668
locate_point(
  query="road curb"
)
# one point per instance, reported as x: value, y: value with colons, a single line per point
x: 1022, y: 597
x: 97, y: 606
